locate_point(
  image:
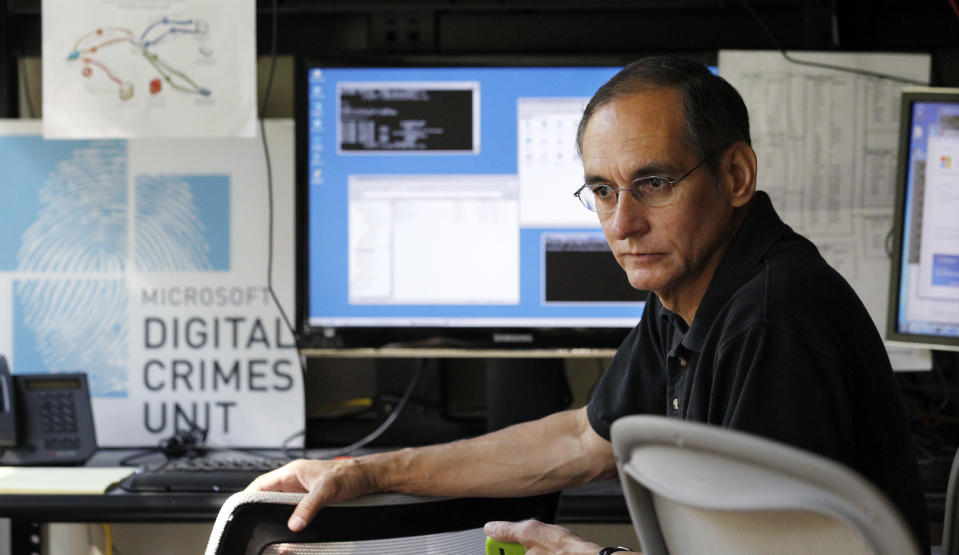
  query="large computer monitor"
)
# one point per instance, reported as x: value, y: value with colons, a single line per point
x: 924, y: 289
x: 436, y: 209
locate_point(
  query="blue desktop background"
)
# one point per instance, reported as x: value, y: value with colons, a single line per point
x: 499, y: 91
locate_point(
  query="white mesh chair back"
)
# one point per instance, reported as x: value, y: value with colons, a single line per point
x: 255, y: 523
x: 694, y: 488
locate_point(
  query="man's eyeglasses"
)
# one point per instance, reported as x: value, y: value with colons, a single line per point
x: 653, y: 190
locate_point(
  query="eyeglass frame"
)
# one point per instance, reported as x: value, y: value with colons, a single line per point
x: 672, y: 185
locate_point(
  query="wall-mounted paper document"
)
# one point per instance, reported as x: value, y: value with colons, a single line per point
x: 826, y: 142
x: 149, y: 68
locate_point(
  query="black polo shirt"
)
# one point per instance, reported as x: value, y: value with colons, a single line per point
x: 781, y: 347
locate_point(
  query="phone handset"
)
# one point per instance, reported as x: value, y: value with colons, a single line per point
x: 8, y: 412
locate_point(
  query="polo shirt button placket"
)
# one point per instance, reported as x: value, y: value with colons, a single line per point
x: 682, y: 364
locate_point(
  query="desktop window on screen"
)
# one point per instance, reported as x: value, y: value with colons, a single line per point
x: 443, y: 197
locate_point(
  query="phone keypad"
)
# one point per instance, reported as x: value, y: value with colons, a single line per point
x: 58, y: 420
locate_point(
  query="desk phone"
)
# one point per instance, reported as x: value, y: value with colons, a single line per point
x: 45, y: 419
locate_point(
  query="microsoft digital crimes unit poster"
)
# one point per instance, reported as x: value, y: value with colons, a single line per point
x: 143, y: 263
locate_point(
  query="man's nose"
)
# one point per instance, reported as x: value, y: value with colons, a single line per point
x: 628, y: 218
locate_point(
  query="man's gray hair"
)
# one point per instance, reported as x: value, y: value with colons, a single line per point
x: 716, y: 115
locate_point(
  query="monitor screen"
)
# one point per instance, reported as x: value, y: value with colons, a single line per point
x: 436, y: 209
x: 924, y: 292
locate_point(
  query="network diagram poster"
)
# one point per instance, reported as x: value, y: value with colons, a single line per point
x: 144, y: 264
x: 149, y: 68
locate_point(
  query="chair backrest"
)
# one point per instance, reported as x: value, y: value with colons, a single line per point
x: 695, y: 488
x: 950, y: 528
x: 255, y: 523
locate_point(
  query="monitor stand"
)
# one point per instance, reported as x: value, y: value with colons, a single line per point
x: 521, y: 389
x: 516, y: 390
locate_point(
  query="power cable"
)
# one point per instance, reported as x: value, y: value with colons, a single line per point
x: 269, y: 178
x: 375, y: 434
x: 864, y: 72
x: 955, y: 7
x: 270, y: 205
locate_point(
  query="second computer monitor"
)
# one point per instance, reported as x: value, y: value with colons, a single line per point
x: 924, y: 293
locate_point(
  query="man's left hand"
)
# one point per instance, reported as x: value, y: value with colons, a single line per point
x: 541, y: 539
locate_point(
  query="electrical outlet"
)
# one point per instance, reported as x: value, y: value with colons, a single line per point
x: 410, y: 31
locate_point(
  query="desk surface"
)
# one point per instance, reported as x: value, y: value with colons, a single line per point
x: 121, y: 506
x: 600, y: 502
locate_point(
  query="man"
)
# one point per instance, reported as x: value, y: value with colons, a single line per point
x: 746, y: 326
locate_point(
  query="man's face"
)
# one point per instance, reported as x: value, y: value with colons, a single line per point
x: 671, y: 250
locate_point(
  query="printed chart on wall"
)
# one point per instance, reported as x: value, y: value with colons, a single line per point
x: 149, y: 68
x: 145, y: 266
x: 826, y: 143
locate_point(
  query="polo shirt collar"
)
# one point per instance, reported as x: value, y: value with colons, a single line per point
x: 759, y: 231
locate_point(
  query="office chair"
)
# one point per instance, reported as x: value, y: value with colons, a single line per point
x: 950, y: 528
x: 695, y: 488
x: 255, y: 523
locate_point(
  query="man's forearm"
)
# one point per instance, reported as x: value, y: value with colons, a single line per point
x: 549, y: 454
x: 545, y: 455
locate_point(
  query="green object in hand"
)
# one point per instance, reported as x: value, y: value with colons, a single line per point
x: 494, y: 547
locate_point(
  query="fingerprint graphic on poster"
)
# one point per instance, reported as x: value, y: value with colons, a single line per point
x: 71, y: 313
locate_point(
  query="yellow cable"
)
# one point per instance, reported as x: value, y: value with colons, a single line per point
x: 344, y: 405
x: 107, y: 539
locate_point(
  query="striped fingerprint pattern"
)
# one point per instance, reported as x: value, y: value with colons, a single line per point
x: 79, y: 323
x: 82, y: 222
x: 170, y: 235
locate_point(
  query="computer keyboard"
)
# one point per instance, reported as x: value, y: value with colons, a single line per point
x: 199, y: 474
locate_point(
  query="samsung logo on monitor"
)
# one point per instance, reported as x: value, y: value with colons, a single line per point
x: 512, y: 338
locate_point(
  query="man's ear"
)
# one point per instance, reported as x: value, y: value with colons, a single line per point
x: 738, y: 173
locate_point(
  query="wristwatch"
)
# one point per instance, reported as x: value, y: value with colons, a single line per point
x: 611, y: 550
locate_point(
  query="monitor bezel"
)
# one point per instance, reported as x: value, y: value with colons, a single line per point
x: 441, y: 341
x: 910, y: 96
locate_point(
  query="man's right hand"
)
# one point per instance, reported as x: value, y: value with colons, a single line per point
x: 323, y: 481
